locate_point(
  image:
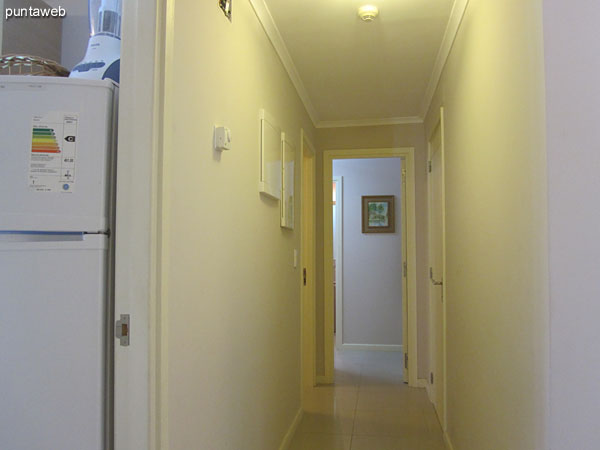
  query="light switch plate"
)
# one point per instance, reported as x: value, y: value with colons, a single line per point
x: 222, y: 138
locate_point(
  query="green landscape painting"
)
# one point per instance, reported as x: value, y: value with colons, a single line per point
x: 378, y: 214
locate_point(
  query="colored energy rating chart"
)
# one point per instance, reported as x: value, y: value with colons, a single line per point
x: 53, y: 154
x: 44, y: 141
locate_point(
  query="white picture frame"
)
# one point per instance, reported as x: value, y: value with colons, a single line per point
x: 270, y: 157
x: 288, y: 172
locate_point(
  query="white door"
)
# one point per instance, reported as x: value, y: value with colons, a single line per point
x: 338, y: 258
x: 308, y: 267
x: 436, y: 271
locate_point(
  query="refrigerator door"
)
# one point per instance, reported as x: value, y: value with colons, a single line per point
x: 57, y: 139
x: 54, y: 298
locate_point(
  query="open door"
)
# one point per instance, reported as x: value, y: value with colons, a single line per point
x: 308, y: 285
x: 437, y: 376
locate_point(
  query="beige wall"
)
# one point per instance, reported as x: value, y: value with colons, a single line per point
x: 492, y: 89
x: 379, y: 137
x: 230, y: 291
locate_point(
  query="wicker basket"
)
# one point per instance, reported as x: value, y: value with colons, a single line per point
x: 31, y: 65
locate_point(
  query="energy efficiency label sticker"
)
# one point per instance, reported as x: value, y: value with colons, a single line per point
x: 53, y: 152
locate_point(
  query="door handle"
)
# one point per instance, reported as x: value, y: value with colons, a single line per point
x: 304, y: 276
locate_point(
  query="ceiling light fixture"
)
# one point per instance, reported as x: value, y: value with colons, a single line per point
x: 368, y: 12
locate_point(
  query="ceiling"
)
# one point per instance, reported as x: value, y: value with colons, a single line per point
x: 353, y: 71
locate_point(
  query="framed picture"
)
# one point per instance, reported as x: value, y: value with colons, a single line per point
x: 288, y: 158
x: 270, y: 157
x: 378, y: 214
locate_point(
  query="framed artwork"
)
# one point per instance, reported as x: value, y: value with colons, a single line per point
x: 269, y: 182
x: 225, y: 5
x: 378, y: 214
x: 288, y: 164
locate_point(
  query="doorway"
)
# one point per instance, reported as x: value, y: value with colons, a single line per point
x: 437, y: 271
x: 407, y: 270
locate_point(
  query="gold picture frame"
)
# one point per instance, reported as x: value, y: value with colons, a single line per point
x: 378, y: 214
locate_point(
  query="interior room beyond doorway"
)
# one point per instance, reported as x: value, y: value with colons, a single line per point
x: 368, y: 260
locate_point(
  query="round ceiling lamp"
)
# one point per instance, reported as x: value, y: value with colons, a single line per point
x: 368, y: 12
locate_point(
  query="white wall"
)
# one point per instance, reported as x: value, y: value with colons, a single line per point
x: 75, y: 31
x: 1, y: 22
x: 75, y: 36
x: 372, y: 262
x: 29, y: 35
x: 573, y: 136
x: 230, y: 292
x: 492, y: 90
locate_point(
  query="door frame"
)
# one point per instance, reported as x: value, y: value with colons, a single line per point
x: 438, y: 123
x: 339, y: 265
x: 138, y: 422
x: 410, y: 319
x: 307, y: 239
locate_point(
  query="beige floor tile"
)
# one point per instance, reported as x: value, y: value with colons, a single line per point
x: 381, y: 397
x: 404, y: 422
x: 369, y: 408
x: 316, y: 441
x: 378, y: 378
x: 330, y: 400
x: 338, y: 423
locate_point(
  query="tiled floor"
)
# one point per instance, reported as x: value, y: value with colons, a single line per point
x: 368, y: 408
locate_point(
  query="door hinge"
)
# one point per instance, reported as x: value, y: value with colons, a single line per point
x: 304, y: 276
x: 404, y: 175
x: 405, y: 269
x: 122, y: 330
x: 433, y: 281
x: 429, y: 166
x: 431, y: 377
x: 406, y: 361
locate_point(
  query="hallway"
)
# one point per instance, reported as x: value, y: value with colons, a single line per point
x: 368, y: 408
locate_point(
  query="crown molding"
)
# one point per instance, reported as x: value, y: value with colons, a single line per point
x: 369, y: 122
x: 268, y: 24
x: 454, y: 22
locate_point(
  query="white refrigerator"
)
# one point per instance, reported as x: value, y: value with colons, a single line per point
x: 57, y: 158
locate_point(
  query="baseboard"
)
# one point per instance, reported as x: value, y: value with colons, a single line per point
x: 287, y: 439
x: 448, y: 442
x: 422, y: 383
x: 373, y: 347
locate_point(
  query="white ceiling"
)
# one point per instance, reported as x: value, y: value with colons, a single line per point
x: 357, y: 71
